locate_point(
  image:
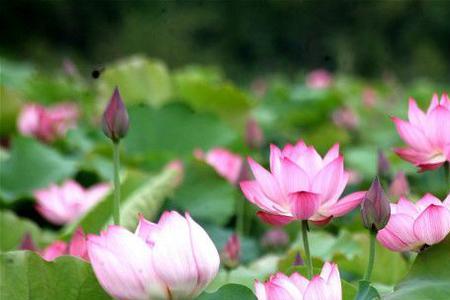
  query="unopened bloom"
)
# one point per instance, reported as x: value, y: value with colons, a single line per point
x: 66, y: 203
x: 47, y: 123
x: 171, y: 259
x: 115, y: 118
x: 414, y: 225
x: 300, y: 186
x: 383, y: 165
x: 319, y: 79
x: 326, y: 286
x: 375, y: 208
x: 226, y: 163
x: 426, y: 134
x: 76, y: 247
x: 231, y: 252
x: 399, y: 186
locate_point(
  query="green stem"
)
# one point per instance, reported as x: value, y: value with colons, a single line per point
x: 308, y: 259
x: 371, y: 256
x: 116, y: 205
x: 240, y: 214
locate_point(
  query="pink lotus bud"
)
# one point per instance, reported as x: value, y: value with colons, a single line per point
x: 427, y: 134
x: 171, y: 259
x: 399, y: 186
x: 76, y: 247
x: 319, y: 79
x: 375, y: 209
x: 226, y: 163
x: 47, y: 124
x: 66, y: 203
x: 55, y: 250
x: 115, y: 118
x: 345, y: 118
x: 231, y: 252
x: 325, y: 286
x: 301, y: 185
x: 27, y: 243
x: 383, y: 166
x: 253, y: 134
x: 275, y: 238
x: 414, y: 226
x: 298, y: 259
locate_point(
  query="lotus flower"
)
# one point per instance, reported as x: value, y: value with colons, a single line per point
x: 47, y: 124
x: 413, y: 226
x: 300, y: 186
x: 319, y: 79
x: 173, y: 259
x: 66, y: 203
x: 327, y: 286
x: 226, y: 163
x: 427, y: 134
x: 115, y: 122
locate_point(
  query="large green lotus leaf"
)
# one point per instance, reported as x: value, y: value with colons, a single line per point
x: 206, y: 95
x: 205, y: 195
x: 31, y: 165
x: 229, y: 291
x: 429, y: 277
x: 140, y: 80
x: 13, y: 230
x: 140, y: 193
x: 25, y: 276
x: 173, y: 129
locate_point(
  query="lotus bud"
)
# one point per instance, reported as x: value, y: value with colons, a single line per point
x: 375, y: 208
x: 253, y: 134
x: 298, y: 259
x: 115, y: 121
x: 231, y: 252
x: 399, y: 186
x: 275, y: 239
x: 27, y: 243
x: 383, y: 167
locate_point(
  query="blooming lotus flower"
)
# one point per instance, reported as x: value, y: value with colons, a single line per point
x: 226, y: 163
x: 300, y: 186
x: 327, y: 286
x: 319, y: 79
x: 47, y: 124
x: 427, y: 134
x: 171, y: 259
x: 414, y: 225
x: 66, y: 203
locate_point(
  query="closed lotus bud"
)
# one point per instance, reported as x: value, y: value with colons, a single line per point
x: 298, y: 259
x: 231, y: 252
x: 375, y: 208
x: 399, y: 186
x: 27, y: 243
x: 253, y: 134
x: 275, y: 239
x: 383, y: 166
x: 115, y: 118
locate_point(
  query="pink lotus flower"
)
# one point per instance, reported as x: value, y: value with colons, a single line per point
x: 427, y: 134
x: 66, y: 203
x: 300, y: 186
x: 319, y: 79
x: 413, y: 226
x: 47, y: 123
x: 173, y: 259
x: 327, y: 286
x: 226, y: 163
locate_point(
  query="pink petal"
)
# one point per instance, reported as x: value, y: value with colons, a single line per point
x: 412, y: 155
x: 55, y: 250
x: 401, y: 226
x: 411, y: 135
x: 292, y: 178
x: 445, y: 101
x: 433, y: 224
x: 309, y: 160
x: 346, y: 204
x: 273, y: 219
x: 300, y: 282
x: 331, y: 155
x: 147, y: 230
x: 260, y: 291
x: 304, y: 204
x: 391, y: 241
x: 326, y: 182
x: 406, y: 207
x: 447, y: 201
x: 275, y: 160
x: 426, y: 201
x: 330, y: 273
x: 317, y: 290
x: 415, y: 115
x: 281, y: 287
x: 265, y: 180
x: 252, y: 191
x: 430, y: 166
x: 434, y: 103
x: 78, y: 246
x: 438, y: 126
x: 95, y: 194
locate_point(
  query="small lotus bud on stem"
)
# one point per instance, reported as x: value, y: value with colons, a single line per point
x: 231, y: 252
x: 27, y: 243
x: 383, y: 167
x: 298, y: 259
x: 115, y: 118
x: 375, y: 208
x: 275, y: 239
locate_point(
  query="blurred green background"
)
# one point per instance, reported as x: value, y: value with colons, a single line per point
x: 408, y: 38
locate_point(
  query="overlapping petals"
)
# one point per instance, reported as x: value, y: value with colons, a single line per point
x: 47, y: 123
x: 300, y: 185
x: 64, y: 204
x: 426, y: 134
x: 226, y: 163
x: 414, y: 225
x: 171, y: 259
x: 326, y: 286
